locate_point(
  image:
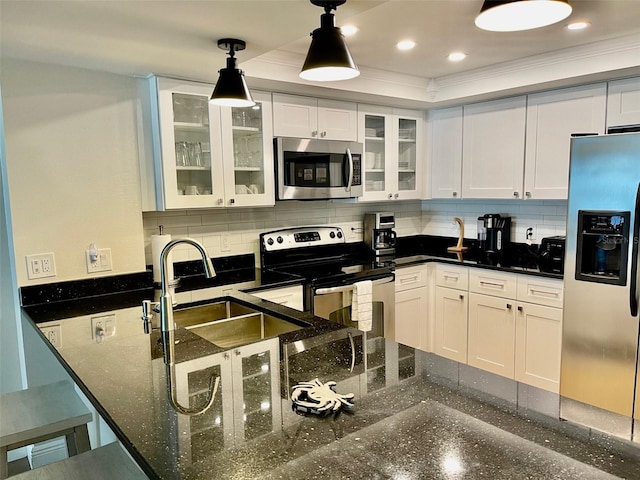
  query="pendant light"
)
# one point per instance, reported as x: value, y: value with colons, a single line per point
x: 517, y: 15
x: 231, y: 89
x: 328, y: 58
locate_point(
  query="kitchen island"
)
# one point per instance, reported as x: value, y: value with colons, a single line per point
x: 402, y: 424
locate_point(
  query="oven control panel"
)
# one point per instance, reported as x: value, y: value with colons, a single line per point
x: 291, y: 238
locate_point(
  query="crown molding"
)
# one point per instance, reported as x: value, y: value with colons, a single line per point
x: 278, y: 70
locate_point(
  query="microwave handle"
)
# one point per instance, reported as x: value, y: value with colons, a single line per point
x: 350, y: 180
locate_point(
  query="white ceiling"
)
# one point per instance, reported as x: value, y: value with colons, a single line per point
x: 179, y: 37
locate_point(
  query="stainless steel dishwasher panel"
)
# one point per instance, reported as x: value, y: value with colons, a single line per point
x: 334, y: 303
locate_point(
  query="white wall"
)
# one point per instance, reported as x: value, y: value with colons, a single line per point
x: 71, y: 145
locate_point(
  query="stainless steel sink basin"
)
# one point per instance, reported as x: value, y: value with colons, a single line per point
x: 228, y: 324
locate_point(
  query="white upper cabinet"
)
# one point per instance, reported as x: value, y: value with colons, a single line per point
x: 552, y: 117
x: 247, y: 150
x: 493, y: 148
x: 208, y: 156
x: 623, y: 102
x: 445, y: 152
x: 308, y: 117
x: 393, y: 160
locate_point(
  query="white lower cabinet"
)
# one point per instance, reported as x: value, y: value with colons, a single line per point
x: 291, y: 296
x: 411, y: 306
x: 538, y: 345
x: 491, y: 334
x: 503, y: 323
x: 451, y: 324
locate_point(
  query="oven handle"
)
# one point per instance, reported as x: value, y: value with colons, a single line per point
x: 346, y: 288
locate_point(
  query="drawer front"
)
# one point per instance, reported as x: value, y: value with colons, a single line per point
x: 497, y: 284
x: 411, y: 277
x: 541, y: 291
x: 452, y: 277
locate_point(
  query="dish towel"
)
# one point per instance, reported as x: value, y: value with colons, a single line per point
x: 361, y: 305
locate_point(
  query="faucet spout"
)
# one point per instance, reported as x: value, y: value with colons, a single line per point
x: 166, y: 302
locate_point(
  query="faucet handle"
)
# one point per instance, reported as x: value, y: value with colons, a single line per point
x: 147, y: 315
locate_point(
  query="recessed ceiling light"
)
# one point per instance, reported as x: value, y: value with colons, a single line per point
x: 348, y: 30
x: 457, y: 56
x: 578, y: 25
x: 405, y: 45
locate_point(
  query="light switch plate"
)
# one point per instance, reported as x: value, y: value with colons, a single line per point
x: 102, y: 263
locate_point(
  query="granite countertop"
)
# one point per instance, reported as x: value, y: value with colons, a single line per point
x: 251, y: 429
x: 401, y: 426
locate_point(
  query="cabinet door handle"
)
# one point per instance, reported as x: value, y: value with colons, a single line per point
x: 461, y: 297
x: 499, y: 286
x: 237, y: 352
x: 455, y: 194
x: 314, y: 133
x: 527, y: 194
x: 516, y: 195
x: 323, y: 134
x: 389, y: 196
x: 232, y: 201
x: 396, y: 195
x: 520, y: 309
x: 508, y: 306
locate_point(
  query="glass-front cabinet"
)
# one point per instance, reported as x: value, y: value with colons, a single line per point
x: 211, y: 156
x: 392, y: 153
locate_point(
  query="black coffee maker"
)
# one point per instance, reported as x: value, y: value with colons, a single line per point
x: 494, y: 236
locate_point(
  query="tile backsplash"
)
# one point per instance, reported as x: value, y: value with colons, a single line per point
x: 432, y: 217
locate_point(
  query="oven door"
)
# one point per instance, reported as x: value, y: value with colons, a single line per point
x: 334, y: 303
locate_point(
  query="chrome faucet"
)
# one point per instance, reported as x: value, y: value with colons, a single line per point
x: 166, y: 301
x: 168, y: 326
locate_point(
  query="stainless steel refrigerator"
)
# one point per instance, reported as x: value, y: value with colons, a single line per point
x: 599, y: 368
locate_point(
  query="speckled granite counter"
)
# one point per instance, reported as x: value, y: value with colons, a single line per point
x: 402, y: 426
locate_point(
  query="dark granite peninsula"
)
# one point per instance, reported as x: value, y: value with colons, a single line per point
x: 402, y: 425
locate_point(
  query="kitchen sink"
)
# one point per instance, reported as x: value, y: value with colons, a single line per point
x: 229, y: 324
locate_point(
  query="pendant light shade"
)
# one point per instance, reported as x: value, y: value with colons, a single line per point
x: 328, y: 58
x: 517, y: 15
x: 231, y: 89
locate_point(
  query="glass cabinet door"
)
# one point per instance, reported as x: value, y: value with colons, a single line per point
x: 375, y: 141
x: 248, y: 164
x: 407, y: 153
x: 190, y: 145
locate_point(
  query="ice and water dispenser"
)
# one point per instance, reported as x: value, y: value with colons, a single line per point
x: 602, y: 247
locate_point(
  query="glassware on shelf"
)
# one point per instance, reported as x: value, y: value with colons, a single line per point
x: 182, y: 154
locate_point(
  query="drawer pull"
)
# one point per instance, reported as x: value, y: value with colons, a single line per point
x: 452, y: 277
x: 409, y: 279
x: 499, y: 286
x: 543, y: 293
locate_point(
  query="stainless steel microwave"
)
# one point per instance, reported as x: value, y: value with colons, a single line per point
x: 318, y: 169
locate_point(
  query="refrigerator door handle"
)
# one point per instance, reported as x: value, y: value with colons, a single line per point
x: 633, y: 290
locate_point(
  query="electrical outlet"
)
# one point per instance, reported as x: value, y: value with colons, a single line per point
x: 103, y: 327
x: 225, y: 242
x: 53, y: 334
x: 102, y: 262
x: 41, y: 265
